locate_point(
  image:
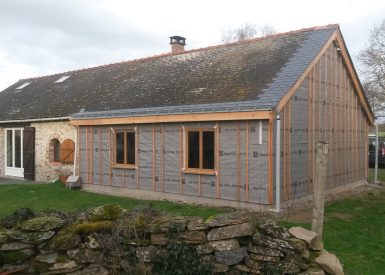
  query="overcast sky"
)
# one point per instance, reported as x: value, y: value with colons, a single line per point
x: 39, y: 37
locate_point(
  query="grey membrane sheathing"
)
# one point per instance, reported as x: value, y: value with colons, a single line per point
x: 165, y: 155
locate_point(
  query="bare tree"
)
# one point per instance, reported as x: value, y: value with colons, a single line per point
x: 247, y: 31
x: 372, y: 59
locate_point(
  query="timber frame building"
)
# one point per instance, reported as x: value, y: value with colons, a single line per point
x: 202, y: 125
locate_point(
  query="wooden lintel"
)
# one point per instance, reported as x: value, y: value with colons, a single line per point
x: 219, y: 116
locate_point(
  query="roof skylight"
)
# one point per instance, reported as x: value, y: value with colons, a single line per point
x: 62, y: 79
x: 23, y: 85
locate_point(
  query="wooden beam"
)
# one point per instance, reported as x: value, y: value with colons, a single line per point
x: 78, y: 153
x: 238, y: 163
x: 247, y: 163
x: 353, y: 75
x: 100, y: 156
x: 92, y: 156
x: 138, y: 158
x: 270, y: 144
x: 181, y: 157
x: 220, y: 116
x: 110, y: 156
x: 162, y: 158
x: 218, y: 182
x: 153, y: 159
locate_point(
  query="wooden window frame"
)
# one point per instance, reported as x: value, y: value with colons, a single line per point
x: 199, y: 170
x: 125, y: 165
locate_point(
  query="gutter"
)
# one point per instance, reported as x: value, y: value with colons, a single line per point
x: 36, y: 120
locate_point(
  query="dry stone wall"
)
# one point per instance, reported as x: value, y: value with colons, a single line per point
x: 110, y: 240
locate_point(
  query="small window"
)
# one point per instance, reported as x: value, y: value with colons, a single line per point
x: 56, y: 150
x: 62, y: 79
x: 22, y: 86
x: 125, y: 147
x: 201, y: 149
x: 67, y: 151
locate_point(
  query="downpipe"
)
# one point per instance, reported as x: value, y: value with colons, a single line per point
x: 278, y: 166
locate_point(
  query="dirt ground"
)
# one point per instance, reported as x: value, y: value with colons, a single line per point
x: 303, y: 213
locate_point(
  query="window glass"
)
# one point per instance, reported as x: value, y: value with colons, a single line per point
x: 17, y: 148
x: 130, y: 154
x: 56, y: 150
x: 9, y: 149
x: 193, y: 149
x: 120, y: 147
x: 208, y: 150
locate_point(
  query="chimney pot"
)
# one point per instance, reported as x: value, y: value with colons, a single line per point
x: 177, y: 44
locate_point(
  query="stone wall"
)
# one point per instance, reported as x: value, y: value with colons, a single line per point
x: 110, y: 240
x: 46, y: 169
x: 2, y: 152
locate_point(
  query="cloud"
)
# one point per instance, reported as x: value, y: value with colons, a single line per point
x: 59, y: 35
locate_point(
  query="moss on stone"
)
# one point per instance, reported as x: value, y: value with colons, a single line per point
x: 62, y: 259
x: 3, y: 235
x: 15, y: 257
x: 106, y: 212
x: 63, y: 242
x: 89, y: 227
x: 40, y: 267
x: 41, y: 224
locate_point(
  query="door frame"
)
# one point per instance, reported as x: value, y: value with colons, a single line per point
x: 13, y: 171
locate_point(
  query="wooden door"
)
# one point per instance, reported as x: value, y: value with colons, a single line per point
x: 29, y: 153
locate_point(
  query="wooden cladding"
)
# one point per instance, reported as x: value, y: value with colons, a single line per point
x: 67, y: 151
x: 218, y: 160
x: 334, y: 114
x: 220, y: 116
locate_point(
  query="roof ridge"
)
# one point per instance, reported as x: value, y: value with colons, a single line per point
x: 246, y: 41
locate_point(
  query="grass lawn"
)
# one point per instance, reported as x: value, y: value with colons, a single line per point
x: 354, y: 230
x: 55, y: 196
x: 381, y: 174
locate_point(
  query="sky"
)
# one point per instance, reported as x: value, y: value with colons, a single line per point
x: 40, y: 37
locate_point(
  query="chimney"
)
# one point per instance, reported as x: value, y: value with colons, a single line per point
x: 177, y: 44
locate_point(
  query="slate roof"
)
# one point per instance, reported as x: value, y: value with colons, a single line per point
x: 252, y: 74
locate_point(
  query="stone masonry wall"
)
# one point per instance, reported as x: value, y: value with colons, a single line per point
x: 45, y: 168
x: 111, y: 240
x: 2, y: 152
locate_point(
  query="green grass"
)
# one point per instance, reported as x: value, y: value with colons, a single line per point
x: 354, y: 230
x: 381, y: 174
x: 55, y: 196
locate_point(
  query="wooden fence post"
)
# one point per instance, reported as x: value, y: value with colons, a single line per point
x: 318, y: 192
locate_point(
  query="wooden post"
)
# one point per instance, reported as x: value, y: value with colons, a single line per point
x: 318, y: 192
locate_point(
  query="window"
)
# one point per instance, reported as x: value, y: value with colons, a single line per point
x: 62, y: 79
x: 22, y: 86
x: 62, y: 152
x: 125, y: 147
x: 200, y: 149
x: 55, y: 150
